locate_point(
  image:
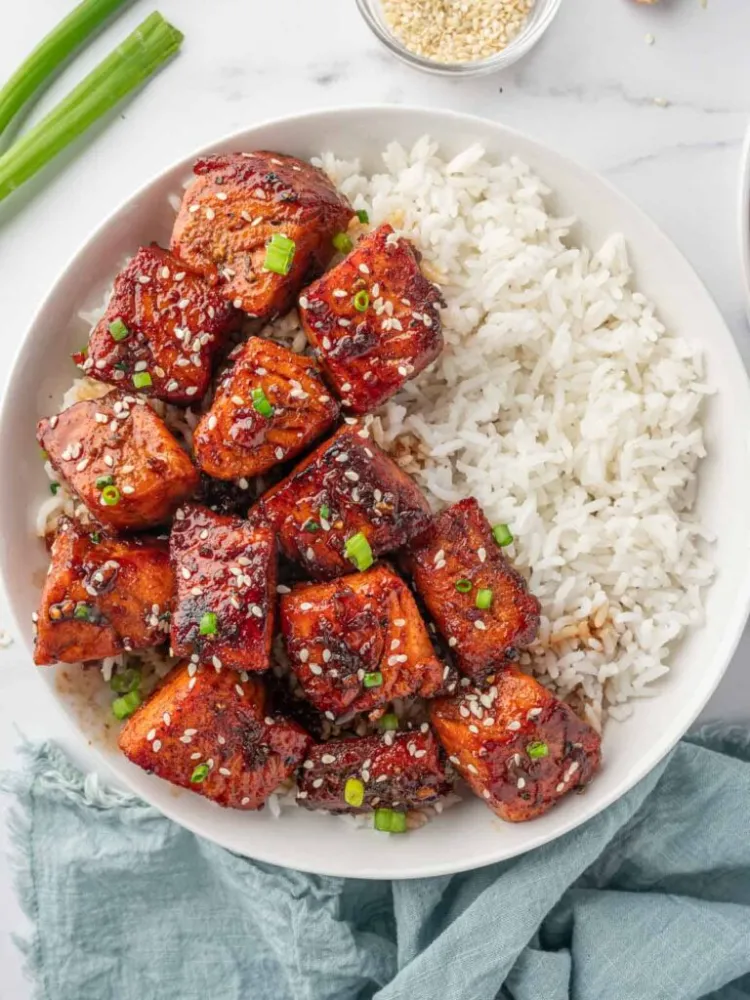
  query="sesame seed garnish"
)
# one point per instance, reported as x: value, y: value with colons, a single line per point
x: 472, y: 768
x: 304, y: 655
x: 481, y: 554
x: 480, y: 625
x: 560, y: 787
x: 156, y: 746
x: 196, y: 756
x: 317, y: 783
x: 328, y: 758
x: 225, y: 771
x: 514, y: 725
x: 240, y: 690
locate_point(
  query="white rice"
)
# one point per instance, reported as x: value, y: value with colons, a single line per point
x: 560, y: 401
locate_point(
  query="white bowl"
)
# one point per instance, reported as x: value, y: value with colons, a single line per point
x: 744, y: 219
x: 469, y: 835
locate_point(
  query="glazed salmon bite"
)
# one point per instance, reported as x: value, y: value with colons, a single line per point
x: 259, y: 226
x: 373, y: 320
x: 161, y: 330
x: 270, y: 404
x: 120, y: 459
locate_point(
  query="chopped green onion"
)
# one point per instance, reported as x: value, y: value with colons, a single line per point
x: 358, y: 550
x: 132, y: 62
x: 363, y: 217
x: 82, y: 611
x: 342, y: 243
x: 325, y: 512
x: 209, y: 623
x: 361, y: 301
x: 124, y: 707
x: 118, y: 330
x: 110, y: 496
x: 463, y: 586
x: 199, y: 774
x: 121, y: 366
x: 501, y: 534
x: 373, y: 680
x: 125, y: 682
x: 398, y: 822
x: 484, y: 599
x: 311, y: 526
x: 53, y: 50
x: 95, y: 537
x: 536, y: 750
x: 142, y: 380
x: 390, y: 821
x: 354, y: 792
x: 261, y: 404
x: 103, y: 481
x: 389, y: 722
x: 53, y: 488
x: 280, y: 252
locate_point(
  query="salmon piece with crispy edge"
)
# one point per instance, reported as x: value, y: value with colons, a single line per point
x: 346, y: 487
x: 235, y: 206
x: 225, y: 572
x: 460, y: 549
x: 118, y: 440
x: 102, y: 598
x: 210, y: 732
x: 359, y: 642
x: 373, y: 320
x: 519, y: 748
x: 398, y: 771
x: 161, y: 330
x: 269, y: 406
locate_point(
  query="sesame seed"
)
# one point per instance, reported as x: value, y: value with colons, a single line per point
x: 225, y: 771
x: 156, y: 746
x: 316, y: 669
x: 305, y: 606
x: 560, y: 787
x: 240, y: 690
x: 304, y: 655
x: 521, y: 783
x: 473, y: 769
x: 328, y: 758
x: 514, y: 725
x: 317, y: 783
x: 196, y: 756
x: 481, y: 554
x: 151, y: 735
x: 480, y: 625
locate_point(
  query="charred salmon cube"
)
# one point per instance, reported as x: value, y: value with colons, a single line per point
x: 211, y: 732
x: 120, y: 459
x: 358, y: 642
x: 102, y: 596
x: 477, y: 600
x: 519, y: 748
x: 269, y: 406
x: 161, y: 330
x: 225, y: 572
x: 394, y: 771
x: 233, y: 210
x: 373, y: 320
x: 344, y: 505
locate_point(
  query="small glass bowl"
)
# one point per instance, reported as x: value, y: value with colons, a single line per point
x: 540, y: 18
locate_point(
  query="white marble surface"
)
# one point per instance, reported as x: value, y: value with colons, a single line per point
x: 588, y: 90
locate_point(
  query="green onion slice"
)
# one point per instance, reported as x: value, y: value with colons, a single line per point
x: 127, y: 681
x: 342, y: 242
x: 83, y: 611
x: 124, y: 707
x: 280, y: 252
x: 261, y: 404
x: 390, y: 821
x: 118, y: 330
x: 95, y: 537
x: 325, y: 512
x: 373, y: 680
x: 209, y: 624
x: 103, y: 481
x: 363, y: 217
x: 361, y: 301
x: 53, y: 488
x: 357, y: 549
x: 142, y: 380
x: 389, y: 722
x: 199, y: 774
x: 537, y: 749
x: 311, y: 526
x: 354, y: 792
x: 463, y: 586
x: 501, y: 534
x: 110, y: 496
x: 484, y: 599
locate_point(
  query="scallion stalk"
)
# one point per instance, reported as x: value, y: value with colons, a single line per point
x: 131, y: 63
x: 53, y: 50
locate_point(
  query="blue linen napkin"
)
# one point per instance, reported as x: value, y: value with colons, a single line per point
x: 648, y: 901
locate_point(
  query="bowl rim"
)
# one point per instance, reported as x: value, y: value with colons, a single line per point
x: 523, y: 42
x: 662, y: 742
x: 743, y: 222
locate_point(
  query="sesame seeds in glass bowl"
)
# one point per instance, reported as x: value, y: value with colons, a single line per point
x: 459, y: 37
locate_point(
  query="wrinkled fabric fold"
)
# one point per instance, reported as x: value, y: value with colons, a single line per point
x: 650, y: 899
